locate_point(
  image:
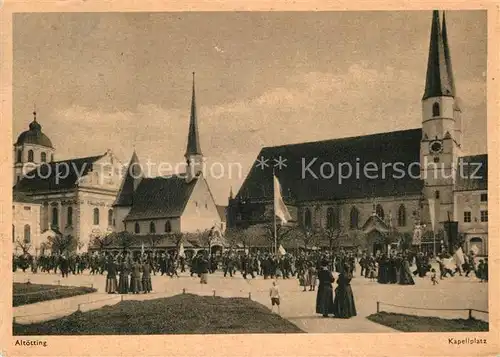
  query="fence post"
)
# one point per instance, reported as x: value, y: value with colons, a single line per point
x: 378, y: 307
x: 250, y: 296
x: 28, y: 282
x: 79, y: 309
x: 59, y: 282
x: 214, y: 293
x: 470, y: 314
x: 121, y: 298
x: 184, y: 290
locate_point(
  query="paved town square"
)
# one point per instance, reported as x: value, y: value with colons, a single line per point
x: 297, y: 306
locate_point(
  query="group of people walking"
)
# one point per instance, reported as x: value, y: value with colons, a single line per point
x: 128, y: 275
x: 339, y: 302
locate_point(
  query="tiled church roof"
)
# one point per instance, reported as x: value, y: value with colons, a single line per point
x: 160, y: 197
x: 52, y: 176
x: 402, y: 147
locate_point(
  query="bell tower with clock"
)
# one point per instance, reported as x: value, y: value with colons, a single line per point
x: 441, y: 124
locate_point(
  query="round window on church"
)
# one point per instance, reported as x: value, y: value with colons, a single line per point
x: 436, y: 146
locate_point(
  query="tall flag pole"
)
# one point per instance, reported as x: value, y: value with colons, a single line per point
x: 274, y: 216
x: 280, y: 209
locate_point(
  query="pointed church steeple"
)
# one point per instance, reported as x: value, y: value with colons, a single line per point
x: 194, y: 157
x: 447, y: 57
x: 438, y: 82
x: 193, y: 144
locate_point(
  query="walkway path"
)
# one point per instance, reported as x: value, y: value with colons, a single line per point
x: 297, y: 306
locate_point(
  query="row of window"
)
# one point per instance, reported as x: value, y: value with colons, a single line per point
x: 468, y: 216
x: 152, y: 227
x: 69, y: 216
x: 333, y: 217
x: 31, y: 156
x: 27, y: 233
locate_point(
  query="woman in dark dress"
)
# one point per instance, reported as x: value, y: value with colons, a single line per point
x: 135, y: 278
x: 123, y: 281
x: 146, y: 277
x: 383, y: 270
x: 324, y: 298
x: 406, y: 277
x: 343, y: 305
x: 111, y: 281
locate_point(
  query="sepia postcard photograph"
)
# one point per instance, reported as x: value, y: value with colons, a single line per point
x: 269, y: 175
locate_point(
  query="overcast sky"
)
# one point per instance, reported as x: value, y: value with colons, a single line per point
x: 115, y: 80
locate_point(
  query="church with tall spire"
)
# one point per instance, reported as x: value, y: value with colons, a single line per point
x: 153, y: 209
x: 424, y: 192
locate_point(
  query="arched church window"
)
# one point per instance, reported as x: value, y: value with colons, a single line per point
x: 51, y: 157
x: 43, y: 157
x: 168, y: 227
x: 307, y: 218
x: 27, y: 233
x: 96, y: 216
x: 137, y: 228
x: 55, y: 217
x: 354, y: 221
x: 380, y: 212
x: 19, y: 156
x: 402, y: 216
x: 110, y: 218
x: 70, y: 216
x: 30, y: 156
x: 435, y: 110
x: 436, y: 195
x: 152, y: 227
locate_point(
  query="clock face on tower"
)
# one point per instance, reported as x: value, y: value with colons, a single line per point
x: 436, y: 146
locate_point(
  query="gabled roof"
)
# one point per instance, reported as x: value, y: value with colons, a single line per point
x: 398, y: 147
x: 134, y: 172
x: 472, y: 173
x: 161, y: 197
x: 57, y: 175
x: 374, y: 222
x: 222, y: 212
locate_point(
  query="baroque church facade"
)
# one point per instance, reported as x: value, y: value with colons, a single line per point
x: 400, y: 183
x: 70, y: 197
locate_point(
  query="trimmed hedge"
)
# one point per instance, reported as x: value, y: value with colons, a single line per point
x: 180, y: 314
x: 411, y: 323
x: 27, y: 293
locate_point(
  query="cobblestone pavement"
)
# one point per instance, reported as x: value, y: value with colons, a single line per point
x: 297, y: 306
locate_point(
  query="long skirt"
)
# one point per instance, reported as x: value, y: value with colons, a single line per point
x: 203, y: 278
x: 135, y: 285
x: 123, y: 284
x: 406, y: 278
x: 324, y: 300
x: 111, y: 285
x: 146, y: 284
x: 343, y: 305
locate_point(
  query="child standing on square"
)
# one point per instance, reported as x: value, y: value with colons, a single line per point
x: 274, y: 294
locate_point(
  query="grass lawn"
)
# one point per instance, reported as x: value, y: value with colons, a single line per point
x: 24, y: 294
x: 180, y: 314
x: 411, y: 323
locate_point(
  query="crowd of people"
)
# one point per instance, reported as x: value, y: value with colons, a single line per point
x: 130, y: 272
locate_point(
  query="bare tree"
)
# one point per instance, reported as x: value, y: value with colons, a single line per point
x: 102, y: 242
x: 23, y: 245
x: 154, y: 240
x: 124, y: 240
x: 63, y: 244
x: 283, y: 233
x: 307, y: 237
x: 236, y: 236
